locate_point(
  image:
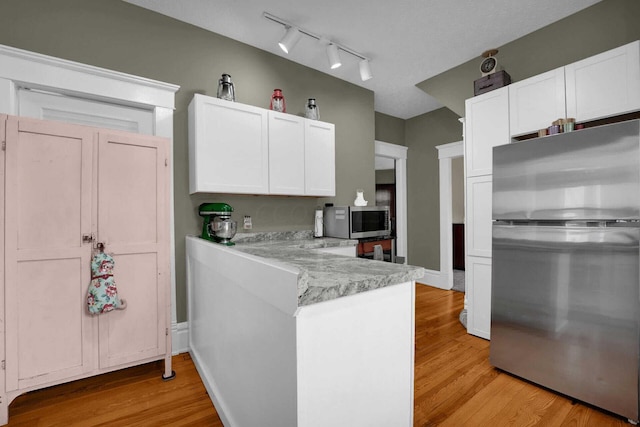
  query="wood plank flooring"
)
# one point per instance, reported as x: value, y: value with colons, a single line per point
x: 454, y: 386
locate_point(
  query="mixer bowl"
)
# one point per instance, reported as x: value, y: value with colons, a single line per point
x: 223, y: 230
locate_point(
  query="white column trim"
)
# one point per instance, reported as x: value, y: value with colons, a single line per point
x: 399, y: 154
x: 444, y: 279
x: 21, y: 68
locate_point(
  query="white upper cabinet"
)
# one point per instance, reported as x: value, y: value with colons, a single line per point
x: 536, y: 102
x: 601, y: 86
x: 486, y: 126
x: 286, y: 154
x: 238, y: 148
x: 320, y: 158
x: 604, y: 85
x: 228, y: 147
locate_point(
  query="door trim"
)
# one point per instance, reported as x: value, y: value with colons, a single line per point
x: 399, y: 154
x: 444, y: 278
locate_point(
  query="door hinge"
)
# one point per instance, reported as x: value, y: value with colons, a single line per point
x: 166, y: 332
x: 166, y: 162
x: 4, y: 365
x: 4, y: 145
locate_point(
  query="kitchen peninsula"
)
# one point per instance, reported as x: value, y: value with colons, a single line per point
x: 284, y: 333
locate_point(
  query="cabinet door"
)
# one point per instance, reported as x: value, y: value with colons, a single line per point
x: 536, y: 102
x: 48, y: 210
x: 133, y: 212
x: 486, y: 126
x: 604, y: 85
x: 319, y: 158
x: 478, y: 216
x: 478, y: 294
x: 286, y: 154
x: 228, y: 147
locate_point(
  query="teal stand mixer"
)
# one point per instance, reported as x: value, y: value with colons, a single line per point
x: 217, y: 226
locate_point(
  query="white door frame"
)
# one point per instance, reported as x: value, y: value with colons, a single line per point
x: 21, y: 68
x: 444, y: 278
x: 399, y: 154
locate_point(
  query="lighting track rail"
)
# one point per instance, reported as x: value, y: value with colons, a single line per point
x: 292, y: 36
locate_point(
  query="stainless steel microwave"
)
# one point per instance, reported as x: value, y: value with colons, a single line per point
x: 356, y: 222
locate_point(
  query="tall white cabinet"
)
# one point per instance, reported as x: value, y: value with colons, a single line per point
x: 602, y: 86
x: 238, y: 148
x: 486, y: 126
x: 68, y: 187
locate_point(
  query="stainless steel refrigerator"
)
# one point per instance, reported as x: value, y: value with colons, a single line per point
x: 565, y: 306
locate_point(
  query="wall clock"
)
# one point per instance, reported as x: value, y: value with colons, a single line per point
x: 489, y: 64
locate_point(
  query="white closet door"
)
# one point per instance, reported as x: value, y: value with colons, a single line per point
x: 51, y: 106
x: 133, y: 207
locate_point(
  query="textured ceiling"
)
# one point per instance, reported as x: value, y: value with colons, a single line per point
x: 408, y: 41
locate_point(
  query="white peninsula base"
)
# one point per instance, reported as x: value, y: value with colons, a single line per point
x: 265, y: 361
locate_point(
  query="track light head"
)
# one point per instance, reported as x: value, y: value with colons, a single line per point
x: 334, y: 56
x: 365, y: 70
x: 290, y: 39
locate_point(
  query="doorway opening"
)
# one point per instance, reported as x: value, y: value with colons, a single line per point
x: 391, y: 161
x: 446, y: 155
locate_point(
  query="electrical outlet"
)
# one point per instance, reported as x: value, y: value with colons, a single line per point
x: 247, y: 222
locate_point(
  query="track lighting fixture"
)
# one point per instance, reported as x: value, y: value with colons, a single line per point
x: 293, y: 34
x: 290, y: 39
x: 334, y: 56
x: 365, y: 70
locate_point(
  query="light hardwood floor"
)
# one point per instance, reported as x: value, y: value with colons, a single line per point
x: 454, y: 386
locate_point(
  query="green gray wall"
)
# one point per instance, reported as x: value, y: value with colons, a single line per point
x: 390, y: 129
x: 122, y: 37
x: 603, y: 26
x: 423, y: 134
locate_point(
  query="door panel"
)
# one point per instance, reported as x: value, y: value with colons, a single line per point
x: 48, y: 208
x: 286, y: 154
x: 49, y: 172
x: 132, y: 333
x: 132, y: 222
x: 319, y: 158
x: 43, y: 307
x: 128, y: 191
x: 591, y: 174
x: 565, y: 310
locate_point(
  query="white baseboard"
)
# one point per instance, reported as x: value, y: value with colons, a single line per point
x: 435, y: 278
x: 179, y: 338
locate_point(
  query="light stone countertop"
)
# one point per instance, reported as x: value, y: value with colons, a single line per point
x: 324, y: 276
